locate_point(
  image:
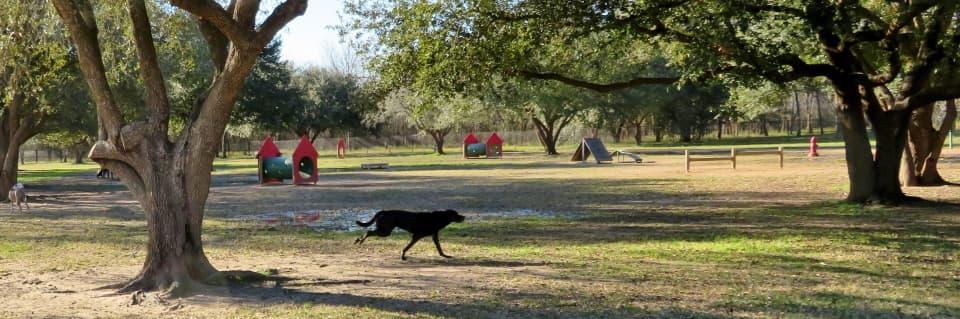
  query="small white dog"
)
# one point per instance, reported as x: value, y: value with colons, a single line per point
x: 18, y: 197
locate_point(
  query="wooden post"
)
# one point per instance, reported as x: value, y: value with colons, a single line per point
x: 583, y: 151
x: 733, y: 157
x: 686, y: 159
x: 780, y: 149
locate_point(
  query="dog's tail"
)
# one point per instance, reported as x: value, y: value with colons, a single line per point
x: 372, y: 220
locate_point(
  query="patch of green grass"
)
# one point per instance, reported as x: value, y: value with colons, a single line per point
x: 11, y: 250
x: 39, y: 172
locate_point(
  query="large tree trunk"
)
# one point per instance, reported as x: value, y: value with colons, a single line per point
x: 890, y: 128
x: 616, y: 131
x: 172, y: 192
x: 686, y: 134
x: 719, y: 129
x: 78, y: 152
x: 171, y: 178
x: 859, y: 156
x: 16, y: 127
x: 763, y: 126
x: 873, y: 178
x: 816, y: 96
x: 796, y: 114
x: 638, y: 132
x: 438, y: 136
x: 925, y: 145
x: 545, y: 134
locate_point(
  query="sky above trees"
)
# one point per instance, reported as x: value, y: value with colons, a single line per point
x: 310, y: 40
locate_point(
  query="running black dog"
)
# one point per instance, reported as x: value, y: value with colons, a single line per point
x: 418, y: 224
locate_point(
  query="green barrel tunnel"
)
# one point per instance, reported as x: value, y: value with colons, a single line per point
x: 478, y: 149
x: 278, y: 168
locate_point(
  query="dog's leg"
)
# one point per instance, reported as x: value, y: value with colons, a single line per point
x: 379, y: 232
x: 362, y: 237
x: 436, y: 241
x: 403, y: 256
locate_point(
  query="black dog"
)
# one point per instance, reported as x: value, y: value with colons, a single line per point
x: 418, y: 224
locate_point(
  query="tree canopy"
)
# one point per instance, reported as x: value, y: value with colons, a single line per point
x: 883, y: 59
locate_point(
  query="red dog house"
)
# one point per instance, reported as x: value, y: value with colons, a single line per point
x: 494, y: 146
x: 467, y: 141
x: 305, y: 157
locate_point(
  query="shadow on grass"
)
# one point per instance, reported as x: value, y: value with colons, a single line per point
x: 281, y: 294
x: 473, y: 165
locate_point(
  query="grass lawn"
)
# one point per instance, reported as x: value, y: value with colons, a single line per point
x: 603, y: 241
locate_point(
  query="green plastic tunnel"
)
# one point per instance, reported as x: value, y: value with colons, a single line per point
x: 478, y: 149
x: 278, y: 168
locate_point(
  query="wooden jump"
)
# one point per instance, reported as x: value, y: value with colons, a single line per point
x: 374, y: 165
x: 732, y: 158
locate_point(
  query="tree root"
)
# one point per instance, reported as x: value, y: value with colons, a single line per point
x: 185, y: 286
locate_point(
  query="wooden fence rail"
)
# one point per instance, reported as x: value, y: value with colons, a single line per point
x: 732, y: 158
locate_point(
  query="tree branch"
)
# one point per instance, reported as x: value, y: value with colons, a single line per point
x: 211, y: 11
x: 281, y: 15
x: 78, y: 17
x: 931, y: 53
x: 929, y: 96
x: 217, y: 43
x: 766, y: 7
x: 245, y: 11
x: 154, y: 86
x: 605, y: 87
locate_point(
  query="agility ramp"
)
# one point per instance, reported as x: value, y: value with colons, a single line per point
x: 592, y: 146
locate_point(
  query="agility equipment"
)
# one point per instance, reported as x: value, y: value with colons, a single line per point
x: 621, y: 153
x: 592, y: 145
x: 732, y: 158
x: 472, y: 148
x: 273, y: 169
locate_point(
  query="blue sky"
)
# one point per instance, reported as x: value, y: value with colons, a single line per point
x: 308, y: 39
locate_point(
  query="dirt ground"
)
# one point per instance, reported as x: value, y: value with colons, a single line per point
x: 360, y: 277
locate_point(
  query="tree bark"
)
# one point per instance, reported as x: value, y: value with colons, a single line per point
x: 925, y: 146
x: 763, y: 126
x: 891, y: 136
x: 545, y: 134
x: 16, y: 127
x: 438, y: 136
x: 930, y: 175
x: 616, y: 131
x: 859, y: 156
x: 873, y: 177
x: 638, y: 132
x: 796, y: 114
x: 816, y: 96
x: 78, y: 152
x: 719, y: 129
